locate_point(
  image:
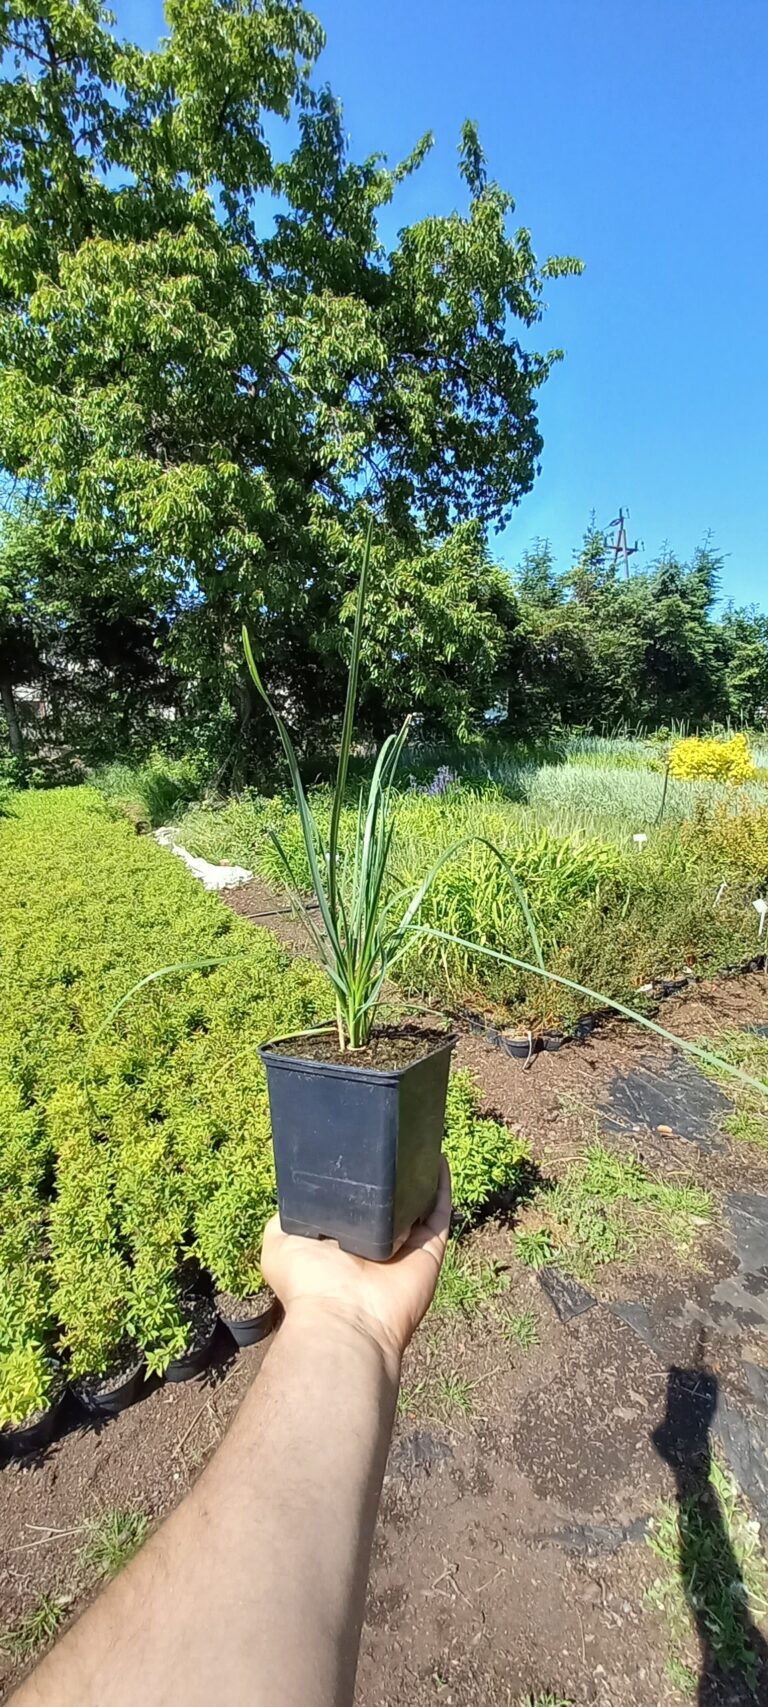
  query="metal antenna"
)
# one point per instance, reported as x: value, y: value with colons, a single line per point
x: 621, y: 546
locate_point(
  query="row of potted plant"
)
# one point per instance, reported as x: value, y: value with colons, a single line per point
x: 36, y: 1385
x: 145, y: 1246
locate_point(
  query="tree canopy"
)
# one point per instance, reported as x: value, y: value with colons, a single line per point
x: 211, y: 361
x: 213, y: 370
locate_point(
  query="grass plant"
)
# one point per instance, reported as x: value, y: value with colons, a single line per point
x: 113, y: 1539
x: 31, y: 1633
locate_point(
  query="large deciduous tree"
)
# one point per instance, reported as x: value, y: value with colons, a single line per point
x: 210, y: 360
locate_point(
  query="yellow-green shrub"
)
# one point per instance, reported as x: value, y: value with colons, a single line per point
x: 736, y: 839
x: 485, y: 1157
x: 711, y: 760
x: 102, y: 1198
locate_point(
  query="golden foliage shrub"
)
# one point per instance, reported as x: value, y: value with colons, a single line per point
x: 708, y: 760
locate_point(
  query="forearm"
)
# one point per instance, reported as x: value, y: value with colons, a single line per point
x: 253, y: 1591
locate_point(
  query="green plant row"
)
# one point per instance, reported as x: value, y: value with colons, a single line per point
x: 104, y: 1196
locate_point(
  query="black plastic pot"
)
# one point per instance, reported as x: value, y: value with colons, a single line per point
x: 20, y: 1442
x: 193, y: 1363
x: 520, y: 1048
x: 551, y: 1041
x: 118, y: 1398
x: 248, y: 1330
x: 357, y: 1151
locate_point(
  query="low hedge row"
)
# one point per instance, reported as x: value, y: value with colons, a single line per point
x: 106, y: 1194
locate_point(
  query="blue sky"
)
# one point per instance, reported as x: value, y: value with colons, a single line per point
x: 633, y: 133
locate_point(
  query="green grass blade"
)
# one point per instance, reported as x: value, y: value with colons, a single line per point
x: 349, y: 714
x: 426, y: 884
x: 521, y: 897
x: 152, y: 978
x: 294, y: 895
x: 256, y: 678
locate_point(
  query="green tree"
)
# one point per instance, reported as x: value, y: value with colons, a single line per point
x: 442, y: 633
x: 536, y: 580
x: 78, y: 627
x: 216, y: 390
x: 683, y: 676
x: 743, y: 638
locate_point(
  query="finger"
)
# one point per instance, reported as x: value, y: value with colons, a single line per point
x: 273, y: 1235
x: 431, y: 1236
x: 272, y: 1231
x: 440, y: 1219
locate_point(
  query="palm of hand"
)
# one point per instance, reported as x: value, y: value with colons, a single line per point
x: 387, y: 1300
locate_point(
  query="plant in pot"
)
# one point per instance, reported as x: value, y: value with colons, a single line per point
x: 106, y: 1366
x: 32, y: 1382
x: 172, y: 1313
x: 32, y: 1395
x: 357, y: 1113
x: 357, y: 1118
x: 91, y: 1276
x: 357, y: 1108
x: 228, y: 1229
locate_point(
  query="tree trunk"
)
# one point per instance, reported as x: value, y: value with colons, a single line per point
x: 15, y: 737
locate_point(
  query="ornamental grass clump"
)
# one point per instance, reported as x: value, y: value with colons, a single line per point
x: 361, y: 929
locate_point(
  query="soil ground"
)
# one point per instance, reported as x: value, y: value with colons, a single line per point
x: 511, y: 1554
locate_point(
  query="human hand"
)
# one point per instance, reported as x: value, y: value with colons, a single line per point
x: 385, y: 1300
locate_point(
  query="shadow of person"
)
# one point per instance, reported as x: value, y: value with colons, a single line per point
x: 733, y: 1654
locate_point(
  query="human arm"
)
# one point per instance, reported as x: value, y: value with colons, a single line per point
x: 252, y: 1593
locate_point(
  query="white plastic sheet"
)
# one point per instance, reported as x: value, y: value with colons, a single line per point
x: 211, y: 876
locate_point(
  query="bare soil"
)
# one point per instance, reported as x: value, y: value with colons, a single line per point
x: 389, y: 1050
x: 234, y: 1309
x: 511, y: 1554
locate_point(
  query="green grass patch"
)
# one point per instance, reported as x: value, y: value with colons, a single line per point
x: 24, y: 1639
x: 465, y: 1284
x: 545, y: 1700
x: 603, y: 1209
x: 112, y: 1540
x: 451, y: 1394
x: 715, y: 1576
x: 520, y: 1327
x: 749, y: 1121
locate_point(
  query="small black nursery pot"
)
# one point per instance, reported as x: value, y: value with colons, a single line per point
x: 202, y: 1316
x: 18, y: 1441
x: 357, y: 1148
x: 248, y: 1320
x: 108, y: 1395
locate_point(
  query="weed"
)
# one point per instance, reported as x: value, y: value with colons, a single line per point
x: 748, y: 1050
x: 681, y: 1676
x: 606, y: 1205
x: 536, y: 1248
x: 520, y: 1327
x: 25, y: 1638
x: 113, y: 1539
x: 545, y: 1700
x: 453, y: 1392
x: 465, y: 1285
x: 408, y: 1396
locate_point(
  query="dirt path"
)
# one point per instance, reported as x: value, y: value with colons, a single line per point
x: 511, y: 1554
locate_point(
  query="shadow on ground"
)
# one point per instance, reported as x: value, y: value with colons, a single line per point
x: 710, y: 1574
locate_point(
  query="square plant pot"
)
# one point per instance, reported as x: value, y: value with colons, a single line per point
x: 357, y: 1150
